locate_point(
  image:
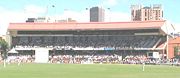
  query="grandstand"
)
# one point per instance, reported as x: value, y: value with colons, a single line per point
x: 114, y: 40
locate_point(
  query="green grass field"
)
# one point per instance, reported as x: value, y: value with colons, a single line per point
x: 87, y: 71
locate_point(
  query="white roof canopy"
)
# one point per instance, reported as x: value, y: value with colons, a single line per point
x: 12, y: 51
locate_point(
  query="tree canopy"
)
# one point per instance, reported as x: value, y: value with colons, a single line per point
x: 176, y: 52
x: 3, y: 48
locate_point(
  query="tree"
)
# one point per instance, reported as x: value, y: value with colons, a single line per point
x: 176, y: 52
x: 3, y: 48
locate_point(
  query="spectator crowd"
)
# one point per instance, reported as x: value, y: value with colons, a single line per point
x: 96, y: 41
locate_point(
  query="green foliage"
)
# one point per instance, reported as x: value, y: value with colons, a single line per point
x: 176, y: 52
x: 176, y: 49
x: 88, y: 71
x: 3, y: 48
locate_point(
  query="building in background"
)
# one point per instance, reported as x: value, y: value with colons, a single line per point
x: 70, y: 20
x: 3, y: 37
x: 38, y: 20
x: 31, y: 20
x: 97, y: 14
x: 148, y: 13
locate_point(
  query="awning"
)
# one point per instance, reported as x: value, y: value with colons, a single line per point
x: 12, y: 51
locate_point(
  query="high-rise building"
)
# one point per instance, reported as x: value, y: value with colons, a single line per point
x: 97, y: 14
x: 148, y: 13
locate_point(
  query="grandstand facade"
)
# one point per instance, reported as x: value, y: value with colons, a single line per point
x: 148, y: 38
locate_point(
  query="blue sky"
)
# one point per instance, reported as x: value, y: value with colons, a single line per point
x: 171, y: 7
x: 18, y: 8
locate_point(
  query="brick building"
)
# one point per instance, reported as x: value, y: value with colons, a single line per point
x: 148, y: 13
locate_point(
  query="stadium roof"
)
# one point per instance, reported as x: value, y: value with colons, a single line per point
x: 88, y: 26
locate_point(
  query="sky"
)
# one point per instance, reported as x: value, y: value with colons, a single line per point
x: 17, y: 11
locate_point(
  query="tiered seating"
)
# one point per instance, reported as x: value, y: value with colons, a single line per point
x: 115, y: 41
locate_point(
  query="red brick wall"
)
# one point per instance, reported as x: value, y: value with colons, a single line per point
x: 173, y: 43
x: 171, y: 50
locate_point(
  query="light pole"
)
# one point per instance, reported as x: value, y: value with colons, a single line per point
x: 66, y: 13
x: 48, y: 7
x: 109, y: 14
x: 87, y: 13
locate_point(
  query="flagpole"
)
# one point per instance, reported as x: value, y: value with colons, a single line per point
x: 167, y: 39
